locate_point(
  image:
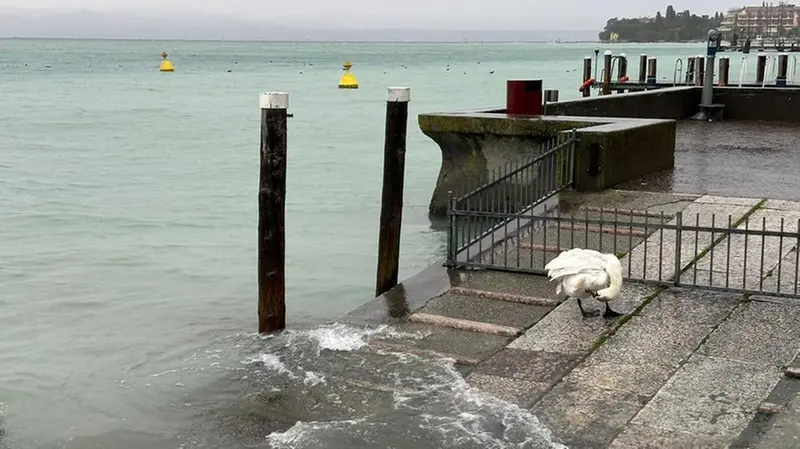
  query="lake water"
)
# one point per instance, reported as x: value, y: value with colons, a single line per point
x: 128, y: 239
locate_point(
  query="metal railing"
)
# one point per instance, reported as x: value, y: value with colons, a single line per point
x: 758, y: 254
x: 522, y: 187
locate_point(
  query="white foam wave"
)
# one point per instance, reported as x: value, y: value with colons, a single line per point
x: 394, y: 399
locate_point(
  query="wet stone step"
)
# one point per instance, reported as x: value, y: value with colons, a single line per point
x: 462, y: 345
x: 522, y: 284
x: 493, y: 311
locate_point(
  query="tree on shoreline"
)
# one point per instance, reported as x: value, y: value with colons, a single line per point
x: 671, y: 27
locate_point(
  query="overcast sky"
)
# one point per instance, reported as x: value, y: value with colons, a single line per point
x: 444, y: 14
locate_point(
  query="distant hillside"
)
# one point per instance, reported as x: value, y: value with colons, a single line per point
x: 88, y: 25
x: 671, y: 27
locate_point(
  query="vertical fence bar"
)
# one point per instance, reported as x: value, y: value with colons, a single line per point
x: 696, y: 242
x: 746, y: 240
x: 780, y: 256
x: 452, y: 244
x: 678, y: 240
x: 797, y: 256
x: 661, y: 248
x: 271, y: 213
x: 763, y: 244
x: 394, y: 158
x: 728, y: 257
x: 711, y: 251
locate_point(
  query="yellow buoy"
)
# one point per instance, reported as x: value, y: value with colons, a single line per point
x: 348, y: 80
x: 166, y: 64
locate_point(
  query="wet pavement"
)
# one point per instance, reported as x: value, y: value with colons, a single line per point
x: 731, y: 158
x: 685, y: 367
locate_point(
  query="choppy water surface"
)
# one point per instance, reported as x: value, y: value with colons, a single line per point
x: 127, y: 243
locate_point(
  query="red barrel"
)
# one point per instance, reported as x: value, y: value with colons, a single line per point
x: 524, y: 97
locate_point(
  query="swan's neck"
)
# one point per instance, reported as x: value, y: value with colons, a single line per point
x: 615, y: 283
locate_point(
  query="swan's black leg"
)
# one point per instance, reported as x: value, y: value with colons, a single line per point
x: 589, y: 314
x: 610, y: 313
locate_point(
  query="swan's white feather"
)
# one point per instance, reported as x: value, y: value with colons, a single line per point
x: 581, y: 272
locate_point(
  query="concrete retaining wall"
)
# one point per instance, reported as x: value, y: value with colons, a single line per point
x: 754, y: 103
x: 473, y: 145
x: 669, y: 103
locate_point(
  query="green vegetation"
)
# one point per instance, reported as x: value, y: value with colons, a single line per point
x: 671, y: 27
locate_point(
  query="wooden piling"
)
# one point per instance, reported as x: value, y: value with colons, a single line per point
x: 783, y: 69
x: 761, y: 67
x: 271, y: 213
x: 642, y: 68
x: 690, y: 68
x: 699, y: 70
x: 607, y: 58
x: 587, y: 75
x: 652, y: 71
x: 724, y: 70
x: 622, y: 66
x: 394, y: 160
x: 622, y: 70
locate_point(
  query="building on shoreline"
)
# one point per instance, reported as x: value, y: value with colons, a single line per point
x: 766, y: 21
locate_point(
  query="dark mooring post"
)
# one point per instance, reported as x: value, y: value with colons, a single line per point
x: 271, y: 216
x: 652, y: 71
x: 394, y: 162
x: 622, y: 70
x: 783, y: 69
x: 700, y: 70
x: 724, y: 70
x: 607, y: 58
x: 642, y: 68
x: 690, y: 70
x: 761, y: 68
x: 586, y: 87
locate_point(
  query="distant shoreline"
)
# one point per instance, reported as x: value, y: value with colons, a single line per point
x: 284, y: 41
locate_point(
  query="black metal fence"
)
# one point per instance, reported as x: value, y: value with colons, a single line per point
x: 512, y: 191
x: 757, y: 254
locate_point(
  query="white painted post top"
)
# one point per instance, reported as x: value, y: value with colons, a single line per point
x: 399, y: 94
x: 607, y: 52
x: 651, y: 57
x: 273, y: 100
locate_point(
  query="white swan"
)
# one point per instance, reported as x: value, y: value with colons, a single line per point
x: 585, y: 273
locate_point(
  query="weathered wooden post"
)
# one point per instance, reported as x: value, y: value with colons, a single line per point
x: 690, y: 68
x: 783, y: 69
x: 271, y: 213
x: 394, y: 161
x: 642, y: 68
x: 761, y: 68
x: 607, y: 58
x: 586, y: 87
x: 622, y: 70
x: 724, y: 70
x: 699, y: 70
x: 652, y: 71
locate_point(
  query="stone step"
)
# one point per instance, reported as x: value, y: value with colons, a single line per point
x: 497, y: 312
x: 717, y: 391
x: 465, y: 346
x: 597, y: 399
